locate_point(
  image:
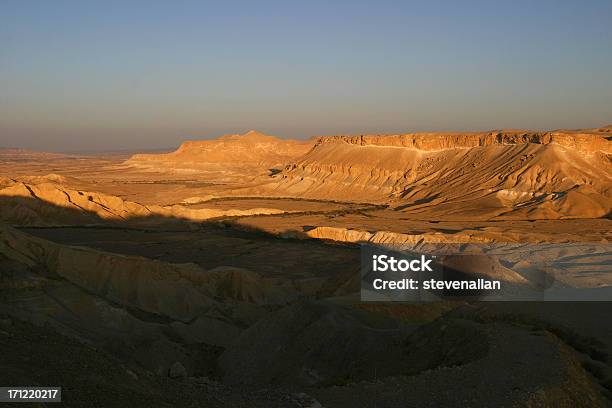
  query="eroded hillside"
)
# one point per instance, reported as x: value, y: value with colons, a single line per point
x: 502, y: 175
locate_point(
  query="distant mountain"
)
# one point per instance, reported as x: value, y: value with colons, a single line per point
x: 8, y: 153
x: 251, y: 148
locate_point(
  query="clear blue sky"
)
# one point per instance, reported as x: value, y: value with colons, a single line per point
x: 146, y: 74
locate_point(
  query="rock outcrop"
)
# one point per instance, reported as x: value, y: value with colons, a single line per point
x: 388, y: 237
x: 583, y: 141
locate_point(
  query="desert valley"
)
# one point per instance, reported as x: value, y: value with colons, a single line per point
x: 226, y: 273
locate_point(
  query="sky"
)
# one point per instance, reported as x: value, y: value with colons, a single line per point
x: 111, y: 75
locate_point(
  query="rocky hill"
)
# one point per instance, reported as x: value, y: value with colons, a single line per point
x: 251, y: 148
x: 497, y: 174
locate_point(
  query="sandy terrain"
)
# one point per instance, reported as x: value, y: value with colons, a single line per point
x: 226, y: 273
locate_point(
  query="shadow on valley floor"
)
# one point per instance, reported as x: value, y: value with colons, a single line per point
x: 34, y: 212
x: 210, y: 243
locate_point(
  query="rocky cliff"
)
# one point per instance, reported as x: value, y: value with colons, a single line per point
x: 499, y: 174
x: 583, y: 141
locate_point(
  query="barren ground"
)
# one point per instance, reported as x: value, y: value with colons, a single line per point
x: 247, y: 281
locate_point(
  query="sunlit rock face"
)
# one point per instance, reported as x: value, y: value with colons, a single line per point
x: 460, y: 176
x: 252, y: 148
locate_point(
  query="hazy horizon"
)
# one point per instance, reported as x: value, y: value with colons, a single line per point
x: 149, y: 75
x: 169, y: 148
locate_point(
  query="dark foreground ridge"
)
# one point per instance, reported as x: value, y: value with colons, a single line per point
x: 152, y: 328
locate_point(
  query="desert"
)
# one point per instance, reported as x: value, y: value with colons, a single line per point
x: 219, y: 272
x: 322, y: 204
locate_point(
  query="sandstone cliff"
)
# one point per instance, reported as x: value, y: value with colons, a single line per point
x: 501, y: 174
x: 586, y: 141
